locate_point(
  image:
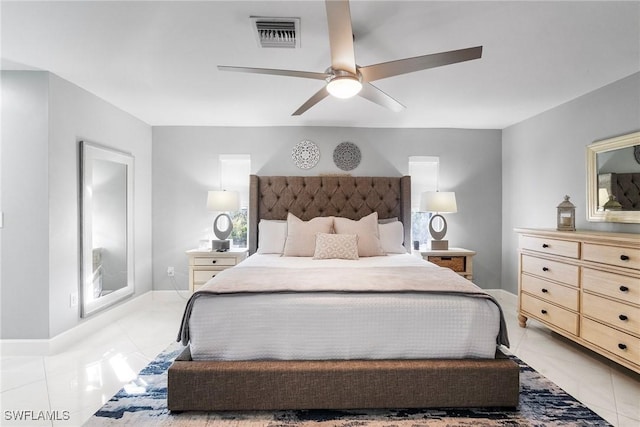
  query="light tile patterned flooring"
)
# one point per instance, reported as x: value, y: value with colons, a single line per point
x: 80, y: 380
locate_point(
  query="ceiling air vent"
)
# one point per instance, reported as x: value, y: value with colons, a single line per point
x: 277, y: 32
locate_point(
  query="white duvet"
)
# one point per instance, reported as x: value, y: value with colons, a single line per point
x: 340, y: 325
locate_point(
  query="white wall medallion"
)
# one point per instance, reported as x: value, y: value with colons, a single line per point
x: 346, y: 156
x: 305, y: 154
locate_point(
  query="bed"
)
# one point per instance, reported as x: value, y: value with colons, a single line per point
x: 304, y: 330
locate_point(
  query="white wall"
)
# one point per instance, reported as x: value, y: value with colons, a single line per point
x: 24, y: 286
x: 49, y: 225
x: 544, y: 158
x: 185, y: 166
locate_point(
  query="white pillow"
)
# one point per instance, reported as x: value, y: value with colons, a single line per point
x: 391, y: 237
x: 367, y: 231
x: 301, y: 235
x: 272, y: 234
x: 336, y: 246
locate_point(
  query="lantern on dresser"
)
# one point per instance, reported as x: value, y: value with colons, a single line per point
x: 566, y: 215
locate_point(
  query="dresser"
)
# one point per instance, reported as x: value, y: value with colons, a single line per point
x: 459, y: 260
x: 584, y: 285
x: 203, y: 265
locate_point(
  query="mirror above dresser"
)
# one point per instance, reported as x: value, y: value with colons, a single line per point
x: 613, y: 179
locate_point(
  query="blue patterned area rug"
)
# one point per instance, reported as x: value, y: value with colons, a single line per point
x: 142, y: 403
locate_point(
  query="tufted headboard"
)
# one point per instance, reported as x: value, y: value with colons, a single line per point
x: 272, y: 197
x: 625, y: 186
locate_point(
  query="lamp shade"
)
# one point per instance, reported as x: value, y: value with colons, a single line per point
x: 438, y: 201
x: 223, y: 201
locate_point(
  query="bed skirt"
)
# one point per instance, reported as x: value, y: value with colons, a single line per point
x: 341, y: 384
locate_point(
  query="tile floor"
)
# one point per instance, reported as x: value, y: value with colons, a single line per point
x: 79, y: 381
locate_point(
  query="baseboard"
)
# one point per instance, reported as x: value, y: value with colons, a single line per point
x: 62, y: 341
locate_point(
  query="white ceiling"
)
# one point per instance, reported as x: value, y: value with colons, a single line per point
x: 157, y: 59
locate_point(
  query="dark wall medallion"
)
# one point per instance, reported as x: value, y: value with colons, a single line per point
x: 346, y: 156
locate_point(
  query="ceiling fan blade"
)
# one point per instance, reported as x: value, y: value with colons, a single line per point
x: 289, y: 73
x: 374, y: 94
x: 383, y: 70
x: 317, y: 97
x: 341, y: 35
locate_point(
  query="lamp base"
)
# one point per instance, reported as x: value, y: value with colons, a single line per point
x: 220, y: 245
x: 440, y: 245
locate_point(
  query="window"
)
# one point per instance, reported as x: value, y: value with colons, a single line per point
x: 234, y: 176
x: 424, y: 177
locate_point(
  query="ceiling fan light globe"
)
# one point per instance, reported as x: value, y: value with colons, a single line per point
x: 344, y: 87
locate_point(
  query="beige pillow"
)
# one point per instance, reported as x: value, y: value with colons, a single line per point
x: 301, y: 235
x: 340, y: 246
x: 367, y: 231
x: 391, y: 237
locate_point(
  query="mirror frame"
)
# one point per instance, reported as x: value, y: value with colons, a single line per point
x: 603, y: 146
x: 88, y: 153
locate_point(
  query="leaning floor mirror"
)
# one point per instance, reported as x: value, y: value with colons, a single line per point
x: 106, y: 226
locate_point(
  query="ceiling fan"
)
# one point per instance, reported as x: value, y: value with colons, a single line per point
x: 344, y: 78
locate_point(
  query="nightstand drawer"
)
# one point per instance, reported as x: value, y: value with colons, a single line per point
x: 214, y: 261
x: 552, y: 270
x: 617, y: 314
x: 552, y: 314
x: 550, y: 246
x: 612, y: 255
x: 455, y: 263
x: 558, y: 294
x: 202, y: 276
x: 612, y: 340
x: 613, y: 285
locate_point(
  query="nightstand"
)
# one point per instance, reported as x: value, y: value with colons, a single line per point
x: 458, y: 259
x: 204, y: 264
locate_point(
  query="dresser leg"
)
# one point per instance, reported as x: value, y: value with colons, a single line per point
x: 522, y: 320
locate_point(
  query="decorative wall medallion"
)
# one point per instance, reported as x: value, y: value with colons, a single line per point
x: 305, y: 154
x: 346, y: 156
x: 636, y: 153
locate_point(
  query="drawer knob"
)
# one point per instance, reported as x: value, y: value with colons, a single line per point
x: 623, y: 317
x: 543, y: 311
x: 214, y: 261
x: 624, y: 257
x: 545, y: 269
x: 544, y: 290
x: 624, y: 288
x: 622, y: 346
x: 544, y: 245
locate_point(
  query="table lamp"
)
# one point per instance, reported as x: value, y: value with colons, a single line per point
x: 438, y: 202
x: 223, y: 202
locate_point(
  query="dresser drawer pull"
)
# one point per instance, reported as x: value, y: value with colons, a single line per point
x: 624, y: 288
x: 622, y: 346
x: 544, y: 290
x: 624, y: 257
x: 623, y: 317
x: 543, y: 311
x: 545, y: 246
x: 545, y: 269
x: 213, y: 261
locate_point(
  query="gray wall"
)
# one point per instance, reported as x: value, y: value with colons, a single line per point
x: 544, y: 158
x: 185, y: 166
x: 40, y: 240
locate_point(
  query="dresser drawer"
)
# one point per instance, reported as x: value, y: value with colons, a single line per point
x: 612, y: 255
x: 552, y: 270
x: 622, y: 316
x: 214, y: 261
x: 613, y: 285
x: 612, y: 340
x: 561, y: 295
x: 550, y: 246
x: 547, y: 312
